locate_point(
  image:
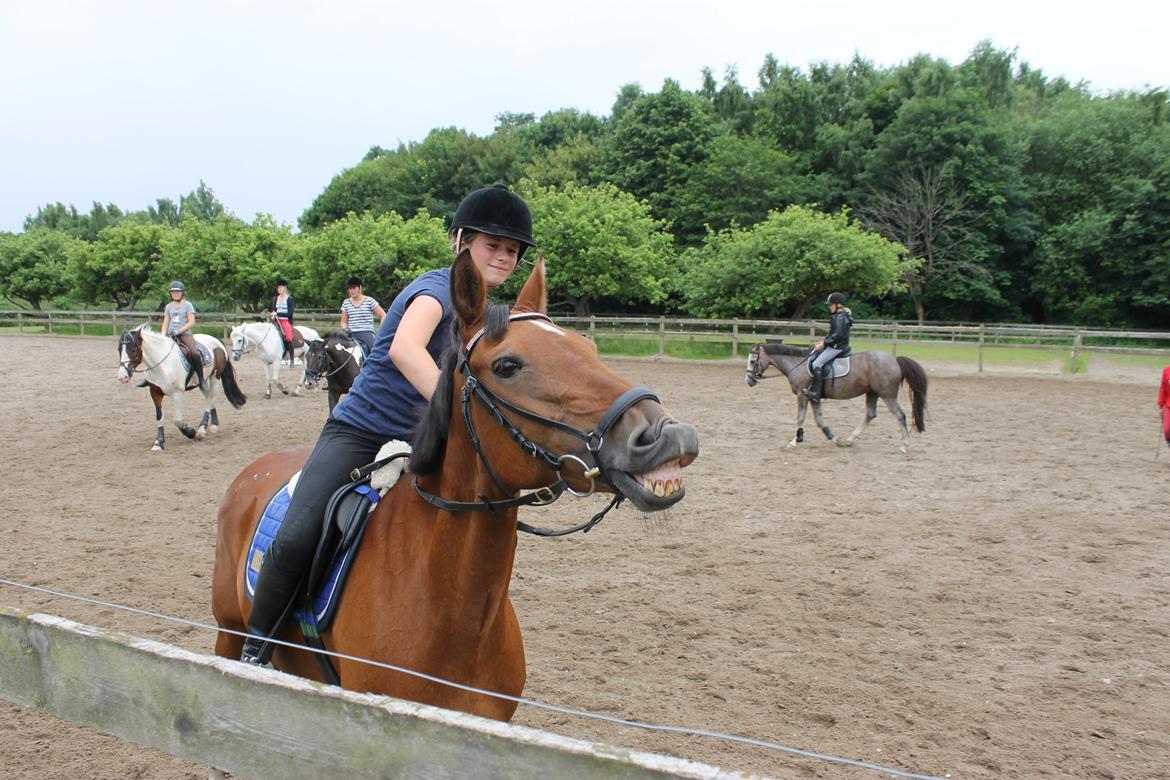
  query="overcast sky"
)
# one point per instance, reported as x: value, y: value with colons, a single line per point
x: 124, y: 101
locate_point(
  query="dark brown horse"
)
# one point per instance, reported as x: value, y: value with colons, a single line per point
x: 522, y: 406
x: 876, y: 374
x: 336, y: 359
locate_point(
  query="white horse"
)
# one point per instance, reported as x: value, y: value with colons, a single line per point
x: 269, y: 346
x: 158, y: 358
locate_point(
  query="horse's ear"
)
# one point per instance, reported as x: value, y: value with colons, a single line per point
x: 468, y: 293
x: 534, y: 295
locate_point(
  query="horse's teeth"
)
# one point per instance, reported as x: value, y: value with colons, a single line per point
x: 658, y: 489
x: 647, y: 484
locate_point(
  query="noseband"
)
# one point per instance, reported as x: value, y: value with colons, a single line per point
x: 317, y: 376
x: 593, y: 440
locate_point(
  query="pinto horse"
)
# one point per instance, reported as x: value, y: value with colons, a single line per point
x: 337, y: 359
x: 264, y: 337
x: 876, y: 374
x: 165, y: 375
x: 521, y: 405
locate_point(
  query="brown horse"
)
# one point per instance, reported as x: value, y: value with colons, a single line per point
x: 876, y: 374
x: 429, y: 586
x: 337, y: 360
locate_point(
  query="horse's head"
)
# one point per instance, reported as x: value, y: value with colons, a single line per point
x: 316, y: 363
x: 129, y: 354
x: 239, y: 341
x: 538, y: 406
x: 755, y: 365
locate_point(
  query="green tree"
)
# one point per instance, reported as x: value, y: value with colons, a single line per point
x: 118, y: 266
x: 387, y: 251
x: 227, y: 262
x: 785, y: 263
x: 599, y: 242
x: 656, y: 145
x: 742, y: 180
x: 33, y: 265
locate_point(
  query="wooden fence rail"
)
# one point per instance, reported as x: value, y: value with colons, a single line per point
x: 735, y: 333
x: 260, y: 723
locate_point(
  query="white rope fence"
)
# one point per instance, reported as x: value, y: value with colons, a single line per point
x: 658, y: 727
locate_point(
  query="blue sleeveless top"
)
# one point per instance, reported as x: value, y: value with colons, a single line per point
x: 381, y: 400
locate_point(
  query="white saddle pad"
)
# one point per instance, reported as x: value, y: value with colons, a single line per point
x: 840, y: 366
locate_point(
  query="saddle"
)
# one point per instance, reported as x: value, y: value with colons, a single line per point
x: 204, y: 355
x: 346, y: 515
x: 298, y: 340
x: 838, y: 366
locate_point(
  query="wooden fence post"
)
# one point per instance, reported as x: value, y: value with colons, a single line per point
x: 50, y: 323
x: 894, y: 343
x: 20, y: 322
x: 1076, y: 351
x: 661, y: 335
x: 83, y: 313
x: 735, y: 338
x: 982, y: 339
x: 593, y: 328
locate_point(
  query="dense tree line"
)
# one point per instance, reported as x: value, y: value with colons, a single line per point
x: 978, y: 191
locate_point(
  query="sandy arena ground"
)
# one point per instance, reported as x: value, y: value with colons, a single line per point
x: 994, y: 604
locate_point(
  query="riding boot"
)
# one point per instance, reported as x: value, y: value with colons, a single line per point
x: 270, y: 605
x: 818, y: 383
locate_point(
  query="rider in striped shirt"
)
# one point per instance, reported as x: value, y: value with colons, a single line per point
x: 358, y: 312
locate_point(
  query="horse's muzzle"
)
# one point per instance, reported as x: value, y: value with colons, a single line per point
x: 752, y: 381
x: 648, y: 468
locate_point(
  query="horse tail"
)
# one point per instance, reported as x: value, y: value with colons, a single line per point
x: 231, y: 389
x: 915, y: 375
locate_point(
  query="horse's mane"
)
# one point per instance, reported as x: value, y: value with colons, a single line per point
x: 430, y: 434
x: 776, y: 348
x: 338, y: 337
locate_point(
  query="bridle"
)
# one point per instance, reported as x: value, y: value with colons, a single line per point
x: 474, y: 388
x: 238, y: 353
x: 317, y: 376
x: 755, y: 373
x: 126, y: 339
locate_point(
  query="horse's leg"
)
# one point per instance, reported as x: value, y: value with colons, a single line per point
x: 276, y: 374
x: 268, y: 378
x: 896, y: 410
x: 816, y: 405
x: 801, y: 411
x: 208, y: 401
x: 214, y: 421
x: 184, y: 428
x: 300, y: 382
x: 160, y: 436
x: 871, y: 399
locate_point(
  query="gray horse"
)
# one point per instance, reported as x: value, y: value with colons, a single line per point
x: 877, y: 374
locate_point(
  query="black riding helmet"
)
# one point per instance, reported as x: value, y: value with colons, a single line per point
x: 496, y: 211
x: 838, y: 298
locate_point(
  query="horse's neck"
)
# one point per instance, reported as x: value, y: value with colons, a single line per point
x: 259, y: 330
x: 155, y: 347
x: 478, y: 548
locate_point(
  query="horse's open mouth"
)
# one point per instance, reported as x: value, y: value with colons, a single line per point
x: 653, y: 490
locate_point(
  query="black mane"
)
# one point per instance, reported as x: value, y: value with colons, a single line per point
x: 430, y: 434
x: 776, y: 348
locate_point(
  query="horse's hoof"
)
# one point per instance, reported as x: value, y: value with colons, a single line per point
x: 844, y: 442
x: 156, y: 447
x: 214, y: 429
x: 284, y: 390
x: 268, y: 394
x: 297, y: 392
x: 200, y: 434
x: 791, y: 444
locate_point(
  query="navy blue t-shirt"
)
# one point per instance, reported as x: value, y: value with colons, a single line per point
x: 382, y: 400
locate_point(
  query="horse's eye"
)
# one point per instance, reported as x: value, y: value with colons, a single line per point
x: 505, y: 367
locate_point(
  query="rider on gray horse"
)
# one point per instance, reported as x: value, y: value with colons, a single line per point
x: 834, y: 344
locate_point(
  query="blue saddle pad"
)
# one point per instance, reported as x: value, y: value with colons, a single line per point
x: 328, y: 595
x: 839, y: 364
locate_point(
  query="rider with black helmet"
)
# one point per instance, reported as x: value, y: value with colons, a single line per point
x: 834, y: 344
x: 395, y: 383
